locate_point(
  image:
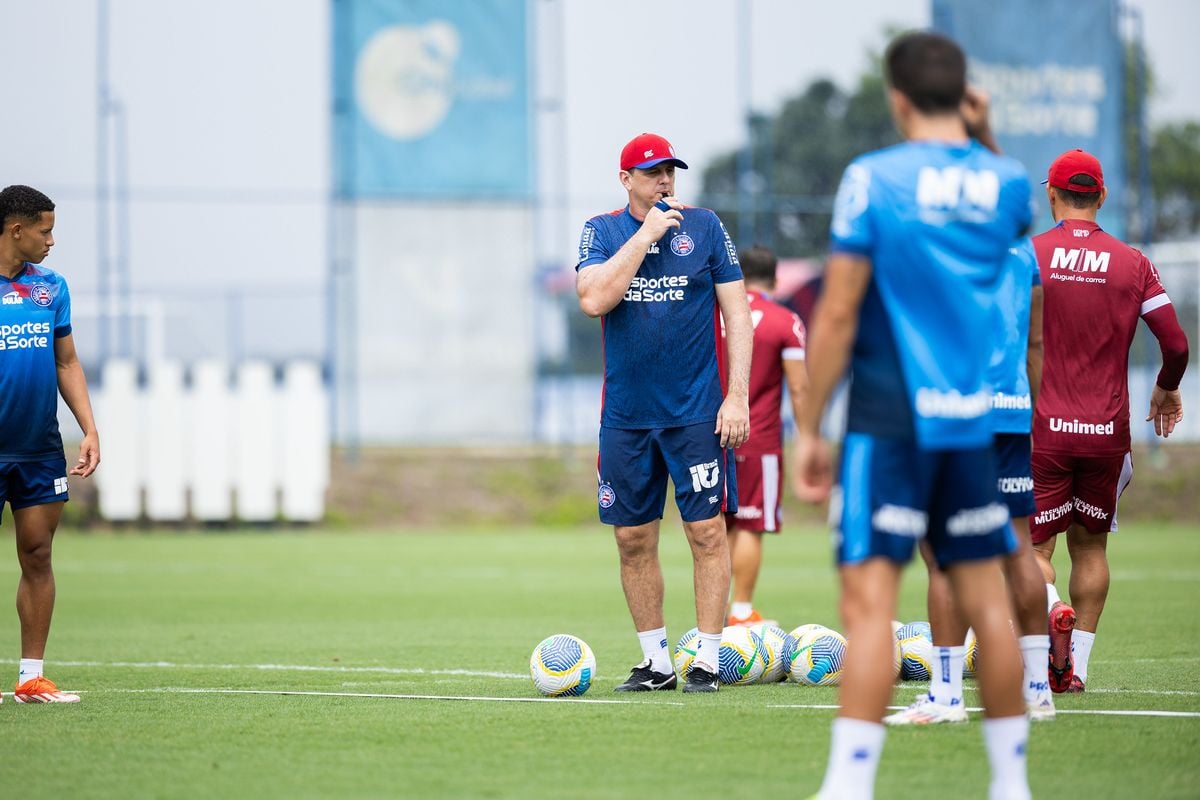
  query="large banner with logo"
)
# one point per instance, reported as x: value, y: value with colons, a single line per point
x: 431, y: 99
x: 1054, y: 69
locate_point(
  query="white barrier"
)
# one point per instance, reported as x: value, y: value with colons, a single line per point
x: 210, y: 449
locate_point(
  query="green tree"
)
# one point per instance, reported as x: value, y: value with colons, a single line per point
x: 1175, y: 179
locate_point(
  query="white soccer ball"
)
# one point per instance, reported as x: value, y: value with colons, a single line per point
x: 562, y: 665
x: 742, y: 658
x: 816, y: 658
x: 800, y: 631
x: 916, y: 651
x: 685, y: 652
x: 774, y: 639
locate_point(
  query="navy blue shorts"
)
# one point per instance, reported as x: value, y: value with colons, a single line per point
x: 892, y: 494
x: 32, y: 483
x: 1014, y: 452
x: 633, y: 467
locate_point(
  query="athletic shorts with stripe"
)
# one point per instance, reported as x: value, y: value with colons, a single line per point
x: 1077, y: 490
x: 32, y: 483
x: 1015, y: 481
x: 759, y: 478
x: 893, y: 494
x: 634, y: 465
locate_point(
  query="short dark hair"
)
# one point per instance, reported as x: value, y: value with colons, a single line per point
x: 929, y: 69
x: 758, y: 264
x: 1079, y: 199
x: 23, y: 202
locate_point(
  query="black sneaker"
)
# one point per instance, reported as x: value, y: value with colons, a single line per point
x: 644, y: 679
x: 701, y: 680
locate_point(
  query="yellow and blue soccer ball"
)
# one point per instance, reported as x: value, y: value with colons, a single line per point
x: 774, y: 639
x: 685, y: 652
x: 562, y: 665
x: 916, y: 651
x: 816, y: 658
x: 742, y: 657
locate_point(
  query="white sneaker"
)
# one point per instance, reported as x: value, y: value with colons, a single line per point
x: 1040, y: 706
x: 924, y: 711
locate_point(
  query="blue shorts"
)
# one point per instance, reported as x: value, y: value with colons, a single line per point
x: 1014, y: 452
x: 32, y: 483
x: 634, y: 465
x: 893, y: 494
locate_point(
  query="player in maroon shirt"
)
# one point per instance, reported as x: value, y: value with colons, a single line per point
x: 778, y: 357
x: 1095, y: 289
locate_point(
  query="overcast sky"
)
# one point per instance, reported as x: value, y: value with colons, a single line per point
x: 227, y: 108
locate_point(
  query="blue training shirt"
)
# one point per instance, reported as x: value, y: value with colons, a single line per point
x: 936, y: 220
x: 660, y: 341
x: 35, y: 309
x: 1012, y: 405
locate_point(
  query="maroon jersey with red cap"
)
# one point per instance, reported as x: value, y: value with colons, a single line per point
x: 778, y: 335
x: 1095, y: 289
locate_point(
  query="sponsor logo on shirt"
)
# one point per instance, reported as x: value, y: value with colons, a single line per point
x: 1018, y: 402
x: 13, y: 299
x: 1081, y: 233
x: 24, y: 336
x: 653, y: 248
x: 977, y: 521
x: 952, y: 404
x: 585, y: 242
x: 1059, y: 425
x: 656, y: 290
x: 954, y: 192
x: 1079, y: 260
x: 41, y: 295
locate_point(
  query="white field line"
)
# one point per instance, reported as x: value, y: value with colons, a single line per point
x: 289, y: 668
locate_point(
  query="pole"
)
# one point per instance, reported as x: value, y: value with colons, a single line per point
x: 103, y: 261
x: 745, y: 159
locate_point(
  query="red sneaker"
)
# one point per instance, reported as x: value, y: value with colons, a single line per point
x: 752, y: 619
x: 1076, y: 686
x: 1062, y: 622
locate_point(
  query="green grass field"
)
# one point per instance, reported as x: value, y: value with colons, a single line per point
x: 315, y: 664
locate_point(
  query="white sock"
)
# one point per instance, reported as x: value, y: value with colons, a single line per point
x: 1035, y: 653
x: 654, y: 647
x: 1081, y: 651
x: 854, y: 750
x: 946, y: 675
x: 742, y: 610
x: 1051, y: 597
x: 30, y: 668
x: 708, y: 651
x: 1006, y: 739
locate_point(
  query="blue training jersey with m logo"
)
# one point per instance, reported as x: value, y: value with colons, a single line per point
x: 936, y: 220
x: 35, y: 309
x: 660, y: 341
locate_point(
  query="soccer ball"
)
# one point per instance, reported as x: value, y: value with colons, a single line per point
x: 562, y: 665
x: 685, y: 652
x: 972, y: 659
x: 774, y: 639
x: 741, y: 656
x: 916, y: 651
x: 802, y: 630
x: 816, y: 658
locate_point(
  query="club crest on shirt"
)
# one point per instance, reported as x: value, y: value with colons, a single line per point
x: 606, y: 495
x: 40, y: 294
x: 682, y: 244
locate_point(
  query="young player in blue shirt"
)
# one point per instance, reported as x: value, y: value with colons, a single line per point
x: 657, y: 273
x: 919, y: 237
x: 37, y: 362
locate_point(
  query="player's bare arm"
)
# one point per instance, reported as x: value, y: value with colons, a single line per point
x: 601, y: 286
x: 733, y: 419
x: 72, y: 385
x: 1035, y: 345
x: 830, y: 339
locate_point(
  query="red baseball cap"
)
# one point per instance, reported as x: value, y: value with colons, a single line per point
x: 1072, y: 163
x: 647, y: 150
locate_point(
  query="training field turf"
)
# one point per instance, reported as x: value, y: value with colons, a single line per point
x: 314, y: 664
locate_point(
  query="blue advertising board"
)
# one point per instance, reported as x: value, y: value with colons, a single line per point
x: 1054, y: 70
x: 431, y: 99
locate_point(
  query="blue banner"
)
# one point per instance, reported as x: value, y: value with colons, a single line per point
x: 431, y: 99
x: 1054, y: 70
